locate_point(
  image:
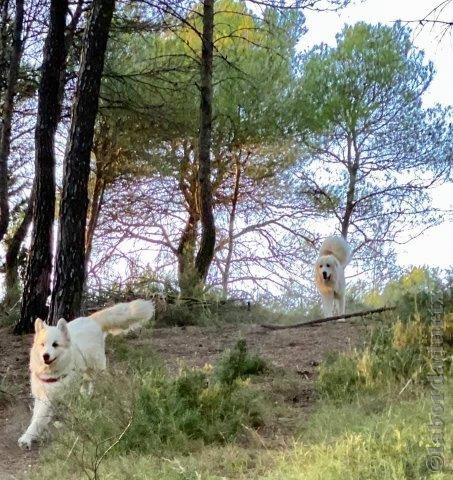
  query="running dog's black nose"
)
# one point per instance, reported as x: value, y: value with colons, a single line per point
x: 46, y: 357
x: 324, y: 275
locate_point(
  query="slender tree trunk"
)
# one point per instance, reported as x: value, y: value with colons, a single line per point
x: 353, y: 166
x: 230, y: 246
x: 4, y: 24
x: 69, y: 43
x: 208, y: 232
x: 70, y: 260
x: 346, y: 221
x: 7, y: 114
x: 93, y: 216
x: 186, y: 256
x: 37, y: 281
x: 188, y: 185
x: 12, y: 256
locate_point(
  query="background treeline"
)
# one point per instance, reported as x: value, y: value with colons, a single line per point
x: 219, y: 154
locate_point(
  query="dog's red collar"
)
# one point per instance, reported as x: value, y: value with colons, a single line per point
x: 50, y: 379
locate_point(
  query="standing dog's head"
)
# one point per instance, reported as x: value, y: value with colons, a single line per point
x: 51, y: 346
x: 326, y: 268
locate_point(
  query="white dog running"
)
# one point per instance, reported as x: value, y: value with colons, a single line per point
x: 334, y: 255
x: 60, y: 354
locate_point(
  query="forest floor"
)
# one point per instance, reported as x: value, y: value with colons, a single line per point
x: 298, y: 351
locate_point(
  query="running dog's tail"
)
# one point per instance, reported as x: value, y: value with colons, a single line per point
x: 124, y: 316
x: 338, y: 247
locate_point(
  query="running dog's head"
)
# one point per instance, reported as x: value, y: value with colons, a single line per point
x: 51, y: 345
x: 326, y: 268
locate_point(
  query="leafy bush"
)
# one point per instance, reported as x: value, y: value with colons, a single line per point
x: 9, y: 312
x: 137, y: 408
x: 172, y: 309
x: 396, y: 354
x: 365, y: 442
x: 338, y: 377
x: 238, y: 363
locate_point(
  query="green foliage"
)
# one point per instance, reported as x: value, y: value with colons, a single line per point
x: 371, y: 437
x: 397, y: 348
x: 360, y: 119
x: 351, y: 83
x: 139, y: 409
x: 396, y: 355
x: 10, y: 308
x: 415, y: 294
x: 204, y: 309
x: 338, y: 378
x: 238, y: 363
x: 162, y: 100
x: 364, y: 444
x: 172, y: 308
x: 143, y: 285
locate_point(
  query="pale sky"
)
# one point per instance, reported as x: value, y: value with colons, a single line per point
x: 434, y: 247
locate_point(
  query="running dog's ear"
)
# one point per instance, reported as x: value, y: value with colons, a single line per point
x: 62, y: 325
x: 39, y: 325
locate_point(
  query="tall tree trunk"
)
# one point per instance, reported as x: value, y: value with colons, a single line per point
x: 37, y: 281
x: 4, y: 24
x: 12, y: 256
x: 230, y: 245
x: 93, y: 216
x: 353, y: 166
x: 188, y: 185
x: 7, y: 114
x: 70, y: 260
x: 208, y: 232
x: 186, y: 256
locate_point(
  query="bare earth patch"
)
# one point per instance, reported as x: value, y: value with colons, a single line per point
x: 298, y: 350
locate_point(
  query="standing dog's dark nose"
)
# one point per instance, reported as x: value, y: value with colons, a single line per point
x: 46, y: 357
x: 324, y: 275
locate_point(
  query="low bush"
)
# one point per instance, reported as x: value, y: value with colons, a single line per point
x: 138, y: 409
x: 238, y: 363
x: 395, y: 355
x: 367, y: 441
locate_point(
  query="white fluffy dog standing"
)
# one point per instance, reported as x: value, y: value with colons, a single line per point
x: 334, y: 255
x: 60, y: 354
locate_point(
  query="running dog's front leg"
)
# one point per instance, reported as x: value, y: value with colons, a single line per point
x: 341, y: 304
x: 42, y: 413
x: 328, y: 304
x: 339, y: 307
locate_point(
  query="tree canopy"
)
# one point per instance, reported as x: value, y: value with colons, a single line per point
x: 369, y: 149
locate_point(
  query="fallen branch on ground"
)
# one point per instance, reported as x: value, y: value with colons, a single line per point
x: 327, y: 319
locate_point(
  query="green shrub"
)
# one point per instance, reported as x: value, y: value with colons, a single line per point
x: 200, y: 307
x: 350, y: 440
x: 136, y: 411
x: 181, y: 314
x: 10, y: 311
x: 338, y: 377
x: 207, y: 309
x: 395, y: 355
x: 238, y: 363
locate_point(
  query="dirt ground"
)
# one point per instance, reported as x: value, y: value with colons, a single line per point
x: 299, y: 350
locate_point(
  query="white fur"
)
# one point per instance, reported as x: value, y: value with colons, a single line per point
x: 334, y: 255
x: 69, y: 350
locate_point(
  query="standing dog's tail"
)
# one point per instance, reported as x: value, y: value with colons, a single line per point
x: 124, y: 316
x: 338, y: 247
